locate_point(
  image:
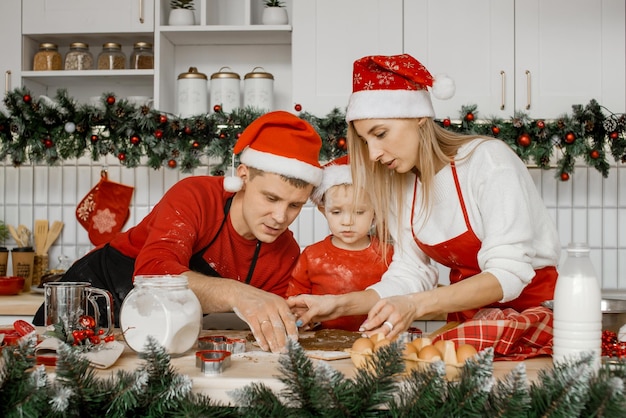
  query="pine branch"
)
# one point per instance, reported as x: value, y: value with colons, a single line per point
x: 422, y: 393
x: 510, y: 396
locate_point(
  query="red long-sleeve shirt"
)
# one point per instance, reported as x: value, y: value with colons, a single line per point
x: 185, y: 220
x: 325, y: 269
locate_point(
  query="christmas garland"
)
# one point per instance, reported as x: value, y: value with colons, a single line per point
x: 53, y: 130
x: 155, y: 389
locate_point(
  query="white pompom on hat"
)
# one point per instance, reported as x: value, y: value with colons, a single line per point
x: 394, y: 86
x: 336, y: 172
x: 280, y: 143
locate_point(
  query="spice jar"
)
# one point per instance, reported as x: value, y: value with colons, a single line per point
x: 225, y: 90
x: 165, y: 308
x: 258, y: 89
x: 192, y: 93
x: 78, y: 57
x: 111, y: 57
x: 142, y: 57
x: 47, y: 58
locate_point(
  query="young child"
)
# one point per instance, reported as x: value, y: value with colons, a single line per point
x: 347, y: 260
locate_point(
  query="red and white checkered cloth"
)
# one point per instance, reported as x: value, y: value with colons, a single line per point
x: 514, y: 336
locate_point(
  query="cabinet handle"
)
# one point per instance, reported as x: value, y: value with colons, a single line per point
x: 7, y: 81
x: 503, y: 79
x: 527, y: 89
x: 141, y: 11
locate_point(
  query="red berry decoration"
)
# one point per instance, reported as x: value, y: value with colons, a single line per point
x: 446, y: 122
x: 121, y: 156
x: 495, y: 130
x: 570, y: 138
x: 187, y: 130
x: 111, y: 100
x: 524, y: 140
x: 27, y: 98
x: 158, y: 134
x: 162, y: 118
x: 564, y: 176
x: 195, y: 145
x: 614, y: 135
x: 469, y: 117
x: 109, y: 338
x: 342, y: 144
x: 172, y: 163
x: 94, y: 138
x: 87, y: 321
x: 298, y: 107
x: 135, y: 140
x: 217, y: 108
x: 541, y: 124
x: 594, y: 154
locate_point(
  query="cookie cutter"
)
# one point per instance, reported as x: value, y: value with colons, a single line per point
x: 212, y: 362
x: 222, y: 343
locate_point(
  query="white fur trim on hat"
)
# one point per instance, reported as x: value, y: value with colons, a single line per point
x: 334, y: 175
x: 388, y: 104
x: 285, y: 166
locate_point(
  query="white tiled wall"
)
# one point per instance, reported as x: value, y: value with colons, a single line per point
x: 587, y: 208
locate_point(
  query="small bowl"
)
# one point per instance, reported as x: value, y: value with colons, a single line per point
x: 11, y: 285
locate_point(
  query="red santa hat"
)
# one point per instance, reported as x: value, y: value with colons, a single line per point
x: 281, y: 143
x: 336, y: 172
x: 394, y: 86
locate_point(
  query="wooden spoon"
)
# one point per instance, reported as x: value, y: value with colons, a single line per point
x: 15, y: 236
x: 53, y: 234
x: 41, y: 235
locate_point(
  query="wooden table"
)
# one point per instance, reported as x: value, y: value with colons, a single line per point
x: 262, y: 367
x: 20, y: 306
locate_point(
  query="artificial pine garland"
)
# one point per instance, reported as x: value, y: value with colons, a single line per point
x: 155, y: 389
x: 51, y: 131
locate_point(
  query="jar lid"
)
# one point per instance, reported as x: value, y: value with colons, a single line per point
x: 225, y: 74
x: 142, y: 45
x: 112, y: 45
x: 258, y: 74
x: 48, y: 45
x: 23, y: 250
x: 192, y: 73
x: 79, y: 45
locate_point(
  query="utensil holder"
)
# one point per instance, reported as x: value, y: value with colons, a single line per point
x: 41, y: 265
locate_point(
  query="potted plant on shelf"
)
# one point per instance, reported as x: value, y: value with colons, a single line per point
x: 181, y: 13
x: 274, y: 13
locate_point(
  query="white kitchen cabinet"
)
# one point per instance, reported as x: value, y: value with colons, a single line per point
x: 539, y: 57
x: 10, y: 46
x: 87, y: 16
x: 328, y: 36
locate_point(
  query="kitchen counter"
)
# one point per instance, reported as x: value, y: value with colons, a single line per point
x: 20, y: 306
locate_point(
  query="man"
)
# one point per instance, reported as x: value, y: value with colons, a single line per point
x: 229, y: 236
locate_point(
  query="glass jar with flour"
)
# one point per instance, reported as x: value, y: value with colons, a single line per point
x: 165, y: 308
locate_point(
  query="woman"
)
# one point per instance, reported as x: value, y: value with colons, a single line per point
x: 465, y: 202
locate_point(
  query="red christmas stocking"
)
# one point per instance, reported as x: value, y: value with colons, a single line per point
x: 104, y: 210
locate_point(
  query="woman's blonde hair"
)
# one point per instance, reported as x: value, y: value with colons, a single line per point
x: 438, y: 146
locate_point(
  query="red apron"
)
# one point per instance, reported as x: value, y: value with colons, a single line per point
x: 460, y: 255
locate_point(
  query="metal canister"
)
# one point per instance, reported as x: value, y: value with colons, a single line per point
x: 192, y: 93
x: 225, y: 90
x: 258, y: 89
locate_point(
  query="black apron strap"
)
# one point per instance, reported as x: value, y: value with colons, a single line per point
x: 197, y: 263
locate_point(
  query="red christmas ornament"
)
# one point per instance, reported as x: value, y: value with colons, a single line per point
x: 614, y: 135
x: 564, y: 176
x: 594, y: 154
x: 469, y: 117
x: 27, y: 98
x: 94, y: 138
x: 195, y: 144
x: 238, y: 135
x: 570, y: 138
x: 47, y: 142
x: 524, y: 140
x: 495, y: 130
x: 121, y: 156
x: 162, y: 119
x: 187, y: 130
x: 217, y: 108
x: 541, y: 124
x: 135, y: 140
x: 342, y: 144
x: 298, y: 107
x: 158, y: 134
x: 446, y: 122
x: 222, y: 135
x: 171, y: 163
x: 111, y: 100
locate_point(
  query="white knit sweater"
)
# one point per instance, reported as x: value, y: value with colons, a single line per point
x: 505, y: 211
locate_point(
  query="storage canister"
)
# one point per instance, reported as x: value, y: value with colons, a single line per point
x: 258, y: 89
x: 192, y: 93
x: 112, y: 57
x: 164, y: 307
x: 47, y: 58
x: 78, y: 57
x: 225, y: 90
x: 142, y: 57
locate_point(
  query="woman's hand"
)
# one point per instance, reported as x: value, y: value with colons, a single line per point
x: 390, y: 316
